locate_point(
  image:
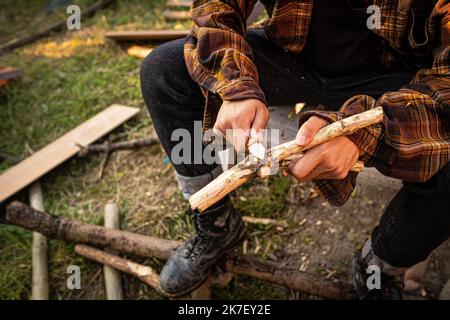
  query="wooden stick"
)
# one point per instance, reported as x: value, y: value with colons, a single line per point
x: 126, y: 242
x: 39, y: 260
x: 9, y: 157
x: 251, y: 166
x: 60, y: 228
x: 143, y: 273
x: 58, y: 26
x: 113, y: 280
x: 108, y: 147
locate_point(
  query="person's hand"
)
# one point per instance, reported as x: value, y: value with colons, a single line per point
x: 330, y: 160
x: 242, y: 116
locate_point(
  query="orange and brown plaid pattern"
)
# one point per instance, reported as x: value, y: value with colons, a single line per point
x: 412, y: 143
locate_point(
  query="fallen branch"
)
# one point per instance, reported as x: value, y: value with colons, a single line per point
x: 126, y: 242
x: 108, y: 147
x: 72, y: 231
x: 143, y: 273
x: 251, y: 166
x: 9, y: 157
x: 58, y: 26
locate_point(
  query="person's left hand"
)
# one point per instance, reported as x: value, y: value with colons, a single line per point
x: 330, y: 160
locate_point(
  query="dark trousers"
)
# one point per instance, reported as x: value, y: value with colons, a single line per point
x: 415, y: 222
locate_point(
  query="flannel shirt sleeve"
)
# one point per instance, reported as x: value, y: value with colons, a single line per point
x: 216, y: 52
x: 413, y: 141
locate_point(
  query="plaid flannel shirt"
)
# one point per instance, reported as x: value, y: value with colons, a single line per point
x: 413, y: 141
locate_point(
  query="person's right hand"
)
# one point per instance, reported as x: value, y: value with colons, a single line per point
x: 245, y: 115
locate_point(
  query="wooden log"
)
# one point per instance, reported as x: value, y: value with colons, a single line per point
x: 39, y: 259
x: 289, y: 277
x: 251, y: 166
x: 143, y: 273
x: 126, y: 242
x: 113, y: 280
x: 150, y: 35
x: 58, y: 26
x: 72, y: 231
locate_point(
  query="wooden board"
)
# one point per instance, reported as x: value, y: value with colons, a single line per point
x: 176, y: 15
x: 179, y: 3
x: 46, y: 159
x: 151, y: 35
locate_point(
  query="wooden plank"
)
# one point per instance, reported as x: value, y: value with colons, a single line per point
x: 176, y: 15
x: 8, y: 73
x: 55, y: 27
x: 46, y: 159
x: 179, y: 3
x: 151, y: 35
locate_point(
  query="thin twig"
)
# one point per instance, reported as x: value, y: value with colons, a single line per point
x: 9, y: 157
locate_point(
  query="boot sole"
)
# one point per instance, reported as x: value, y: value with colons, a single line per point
x: 227, y: 250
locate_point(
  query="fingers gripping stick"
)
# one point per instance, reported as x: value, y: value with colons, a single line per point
x: 251, y: 166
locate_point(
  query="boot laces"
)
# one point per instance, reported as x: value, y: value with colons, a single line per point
x: 199, y: 242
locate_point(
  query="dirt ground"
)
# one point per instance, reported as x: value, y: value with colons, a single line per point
x: 335, y: 233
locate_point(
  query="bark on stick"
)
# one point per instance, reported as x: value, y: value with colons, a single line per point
x: 129, y: 243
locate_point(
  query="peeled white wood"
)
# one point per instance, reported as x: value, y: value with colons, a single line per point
x: 113, y: 280
x: 39, y: 262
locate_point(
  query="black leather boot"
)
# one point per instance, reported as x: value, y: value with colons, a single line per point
x: 219, y: 230
x: 390, y: 287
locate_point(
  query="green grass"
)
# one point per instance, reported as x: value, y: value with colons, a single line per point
x: 68, y: 78
x: 269, y: 201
